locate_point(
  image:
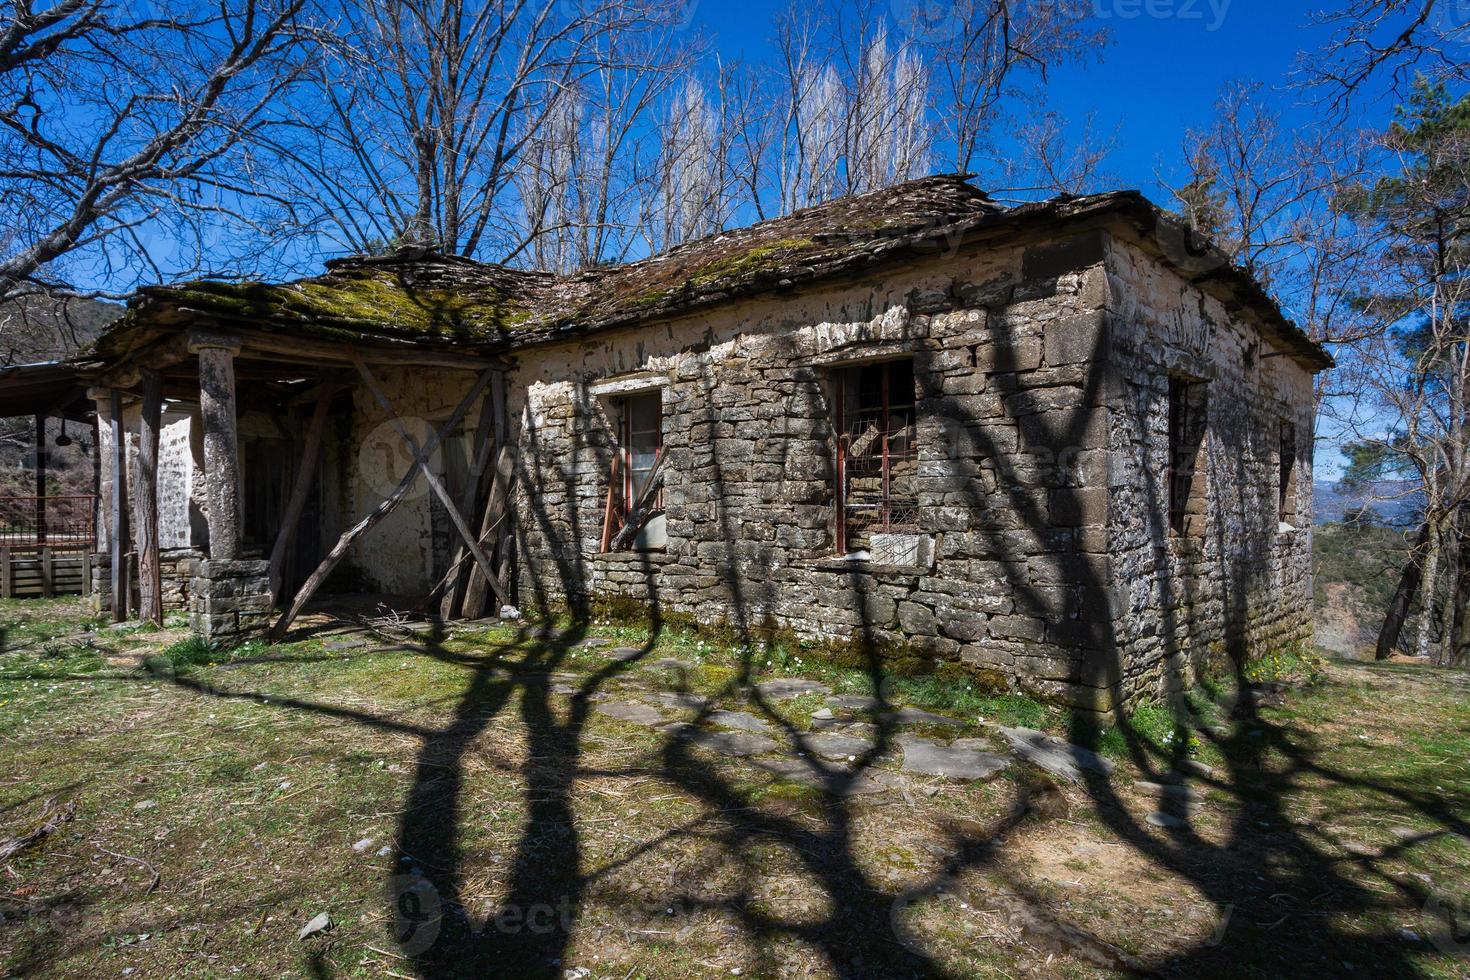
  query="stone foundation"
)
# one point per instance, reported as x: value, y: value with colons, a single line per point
x: 176, y: 567
x: 231, y: 600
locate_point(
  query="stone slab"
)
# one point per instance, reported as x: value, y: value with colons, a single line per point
x: 635, y: 712
x: 1058, y: 757
x: 786, y: 688
x: 836, y: 745
x: 966, y: 758
x: 834, y: 782
x: 743, y: 720
x: 725, y: 743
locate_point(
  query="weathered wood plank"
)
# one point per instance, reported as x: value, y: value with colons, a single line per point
x: 495, y: 522
x: 305, y: 478
x: 48, y: 588
x: 474, y: 485
x: 7, y: 575
x: 435, y: 484
x: 493, y: 533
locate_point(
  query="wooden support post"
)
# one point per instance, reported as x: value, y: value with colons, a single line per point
x: 339, y: 550
x: 87, y: 573
x: 118, y: 534
x: 150, y: 578
x: 495, y: 529
x: 7, y: 575
x: 474, y: 485
x: 41, y: 480
x: 305, y: 479
x: 221, y: 447
x: 435, y: 484
x: 48, y: 581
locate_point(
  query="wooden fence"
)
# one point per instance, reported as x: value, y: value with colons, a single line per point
x: 46, y: 545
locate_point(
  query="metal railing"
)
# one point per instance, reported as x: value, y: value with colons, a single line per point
x: 58, y: 521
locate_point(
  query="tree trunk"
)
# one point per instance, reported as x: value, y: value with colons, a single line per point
x: 150, y: 578
x: 1430, y: 590
x: 1403, y: 598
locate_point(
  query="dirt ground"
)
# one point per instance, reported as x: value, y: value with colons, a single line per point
x: 492, y: 802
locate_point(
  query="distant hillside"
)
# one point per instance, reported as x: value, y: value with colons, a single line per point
x: 1393, y: 501
x: 42, y: 328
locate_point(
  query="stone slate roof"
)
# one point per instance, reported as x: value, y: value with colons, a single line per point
x: 439, y: 300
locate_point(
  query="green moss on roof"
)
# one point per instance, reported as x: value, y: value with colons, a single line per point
x: 769, y: 257
x: 377, y: 297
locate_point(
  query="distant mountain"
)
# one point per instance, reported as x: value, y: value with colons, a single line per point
x: 1392, y: 501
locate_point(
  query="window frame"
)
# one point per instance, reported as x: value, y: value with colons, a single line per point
x: 842, y: 376
x: 1286, y: 472
x: 1188, y: 426
x: 628, y: 490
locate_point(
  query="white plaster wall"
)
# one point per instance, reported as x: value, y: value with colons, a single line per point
x: 396, y: 557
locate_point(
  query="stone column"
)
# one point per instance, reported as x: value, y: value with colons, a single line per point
x: 230, y: 598
x: 118, y: 533
x: 221, y: 446
x: 101, y: 598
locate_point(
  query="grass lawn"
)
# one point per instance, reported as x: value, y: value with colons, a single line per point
x: 464, y: 805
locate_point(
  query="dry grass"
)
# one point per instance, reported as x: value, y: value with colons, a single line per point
x: 218, y: 805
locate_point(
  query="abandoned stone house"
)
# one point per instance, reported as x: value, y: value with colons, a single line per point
x: 1061, y: 443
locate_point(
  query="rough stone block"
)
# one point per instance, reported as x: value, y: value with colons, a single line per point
x: 1077, y: 339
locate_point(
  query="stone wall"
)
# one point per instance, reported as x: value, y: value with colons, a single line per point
x: 1011, y: 427
x: 176, y: 568
x: 229, y: 600
x: 1039, y: 372
x: 1238, y: 581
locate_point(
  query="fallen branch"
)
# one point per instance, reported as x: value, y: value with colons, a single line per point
x: 52, y: 818
x: 138, y: 861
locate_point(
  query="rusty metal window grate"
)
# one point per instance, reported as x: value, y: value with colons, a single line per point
x: 1186, y: 434
x: 877, y: 457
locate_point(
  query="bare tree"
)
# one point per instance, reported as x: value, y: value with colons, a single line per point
x: 1413, y: 372
x: 1393, y: 38
x: 691, y: 191
x: 979, y: 48
x: 582, y: 178
x: 1053, y: 161
x: 118, y: 128
x: 1248, y: 180
x: 432, y: 105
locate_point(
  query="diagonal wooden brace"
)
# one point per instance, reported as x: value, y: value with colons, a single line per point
x: 421, y: 459
x: 374, y: 516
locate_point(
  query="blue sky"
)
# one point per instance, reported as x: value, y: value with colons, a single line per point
x: 1159, y: 75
